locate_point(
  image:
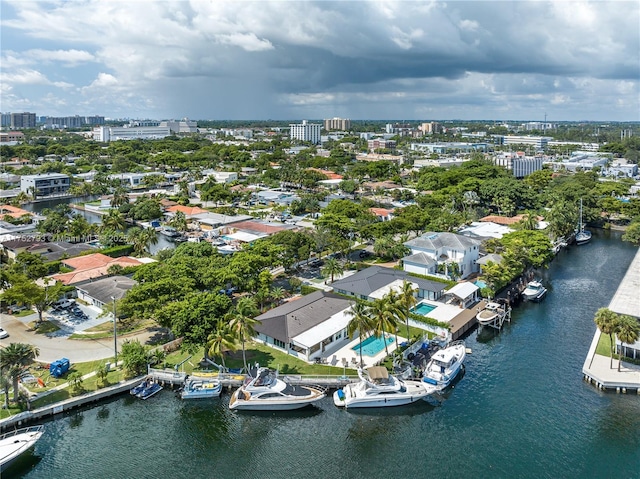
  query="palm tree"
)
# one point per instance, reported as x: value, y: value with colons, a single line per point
x: 220, y: 341
x: 120, y: 197
x: 384, y: 319
x: 394, y: 308
x: 113, y: 220
x: 277, y: 294
x: 361, y: 323
x: 628, y: 331
x: 150, y: 237
x: 332, y: 267
x: 607, y: 322
x: 141, y: 239
x: 407, y: 300
x: 14, y: 358
x: 179, y: 222
x: 243, y: 322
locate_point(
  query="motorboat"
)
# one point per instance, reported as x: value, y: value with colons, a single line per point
x: 491, y: 313
x: 15, y: 443
x: 265, y: 391
x: 196, y: 387
x: 534, y: 291
x: 582, y: 236
x: 378, y: 388
x: 134, y: 391
x: 445, y: 364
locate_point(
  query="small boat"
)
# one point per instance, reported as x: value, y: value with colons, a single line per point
x: 196, y: 387
x: 266, y: 392
x: 582, y: 236
x: 15, y: 443
x: 377, y: 388
x: 534, y: 291
x: 134, y: 391
x: 151, y: 389
x: 445, y: 365
x: 169, y: 232
x: 492, y: 312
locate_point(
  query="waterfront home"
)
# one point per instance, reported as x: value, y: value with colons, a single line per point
x: 45, y: 184
x: 368, y: 284
x: 306, y: 327
x: 489, y: 258
x: 463, y: 294
x: 101, y: 292
x: 442, y: 248
x: 36, y: 244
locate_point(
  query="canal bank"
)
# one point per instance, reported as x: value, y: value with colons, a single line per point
x: 520, y: 410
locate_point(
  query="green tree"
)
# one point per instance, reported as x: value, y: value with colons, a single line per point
x: 113, y: 220
x: 13, y: 361
x: 632, y: 234
x: 384, y: 318
x: 243, y: 322
x: 627, y: 331
x: 607, y: 322
x: 134, y: 358
x: 221, y: 341
x: 76, y: 380
x: 407, y: 300
x: 102, y: 372
x: 26, y: 292
x: 332, y: 267
x: 361, y: 322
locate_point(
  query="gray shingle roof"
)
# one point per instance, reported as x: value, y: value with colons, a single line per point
x: 295, y: 317
x: 104, y: 289
x: 364, y: 282
x: 434, y: 241
x: 420, y: 258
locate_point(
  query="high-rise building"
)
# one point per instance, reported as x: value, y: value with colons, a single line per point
x: 23, y: 120
x: 305, y: 132
x: 6, y: 119
x: 340, y: 124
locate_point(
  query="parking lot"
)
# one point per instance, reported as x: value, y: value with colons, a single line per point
x: 75, y: 317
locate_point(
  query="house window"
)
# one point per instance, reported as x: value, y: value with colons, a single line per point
x: 338, y: 335
x: 278, y: 343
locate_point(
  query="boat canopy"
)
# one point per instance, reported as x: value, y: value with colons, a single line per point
x: 378, y: 372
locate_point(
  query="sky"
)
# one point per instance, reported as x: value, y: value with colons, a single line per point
x: 403, y: 60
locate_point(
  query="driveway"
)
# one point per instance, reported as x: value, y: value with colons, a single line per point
x: 57, y: 345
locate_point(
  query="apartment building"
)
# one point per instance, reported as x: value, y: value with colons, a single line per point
x: 45, y: 184
x: 336, y: 123
x: 305, y: 132
x: 23, y: 120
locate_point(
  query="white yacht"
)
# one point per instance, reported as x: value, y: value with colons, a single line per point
x: 15, y: 443
x: 445, y: 365
x: 377, y: 388
x: 583, y: 236
x: 534, y: 291
x: 266, y: 392
x: 491, y: 314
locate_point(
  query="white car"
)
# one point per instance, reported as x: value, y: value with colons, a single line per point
x: 3, y: 334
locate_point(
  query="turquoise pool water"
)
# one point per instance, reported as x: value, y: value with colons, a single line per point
x: 423, y: 309
x: 372, y: 345
x: 480, y: 284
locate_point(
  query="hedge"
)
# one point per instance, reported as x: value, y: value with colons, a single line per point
x: 117, y: 251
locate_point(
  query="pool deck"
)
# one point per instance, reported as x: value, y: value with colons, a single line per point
x: 352, y: 357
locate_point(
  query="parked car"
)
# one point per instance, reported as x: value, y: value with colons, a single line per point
x: 3, y: 334
x: 64, y: 303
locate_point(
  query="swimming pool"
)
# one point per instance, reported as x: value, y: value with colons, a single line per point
x: 423, y: 309
x: 480, y: 284
x: 372, y: 345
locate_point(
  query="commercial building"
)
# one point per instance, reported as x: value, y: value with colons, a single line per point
x: 11, y: 137
x: 45, y: 184
x: 306, y: 132
x: 23, y: 120
x: 110, y: 133
x: 381, y: 144
x: 72, y: 121
x: 519, y: 164
x: 538, y: 142
x: 340, y: 124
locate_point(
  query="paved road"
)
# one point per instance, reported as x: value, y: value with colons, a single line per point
x: 55, y: 346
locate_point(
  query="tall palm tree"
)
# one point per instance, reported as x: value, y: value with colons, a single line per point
x: 150, y: 237
x: 607, y: 322
x: 627, y: 332
x: 243, y: 322
x: 384, y: 319
x: 220, y: 341
x: 332, y: 267
x: 120, y: 197
x: 114, y: 220
x: 361, y: 323
x: 394, y: 308
x: 277, y: 294
x: 407, y: 300
x: 14, y: 359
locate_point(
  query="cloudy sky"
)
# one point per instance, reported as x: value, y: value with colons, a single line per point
x: 412, y: 60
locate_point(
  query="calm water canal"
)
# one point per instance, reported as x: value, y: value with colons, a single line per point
x: 521, y: 410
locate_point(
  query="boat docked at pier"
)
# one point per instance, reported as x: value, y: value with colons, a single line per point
x: 494, y: 314
x: 445, y: 365
x: 196, y: 387
x: 265, y: 391
x: 15, y: 443
x: 534, y: 291
x: 145, y: 389
x: 377, y: 388
x: 583, y: 236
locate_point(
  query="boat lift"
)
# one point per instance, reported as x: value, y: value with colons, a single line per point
x: 504, y: 315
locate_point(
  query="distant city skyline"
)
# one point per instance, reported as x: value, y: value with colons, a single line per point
x: 288, y: 60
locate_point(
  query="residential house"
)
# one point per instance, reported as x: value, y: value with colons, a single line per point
x: 442, y: 248
x: 373, y: 282
x: 94, y: 266
x: 103, y: 291
x: 308, y: 326
x: 45, y: 184
x: 382, y: 214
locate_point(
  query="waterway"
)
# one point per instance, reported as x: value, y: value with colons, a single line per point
x: 163, y: 241
x: 521, y: 410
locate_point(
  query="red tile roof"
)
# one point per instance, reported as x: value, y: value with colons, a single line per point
x: 187, y: 210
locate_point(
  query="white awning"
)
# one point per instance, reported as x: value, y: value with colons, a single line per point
x: 324, y: 330
x: 463, y: 290
x: 395, y: 285
x: 243, y: 236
